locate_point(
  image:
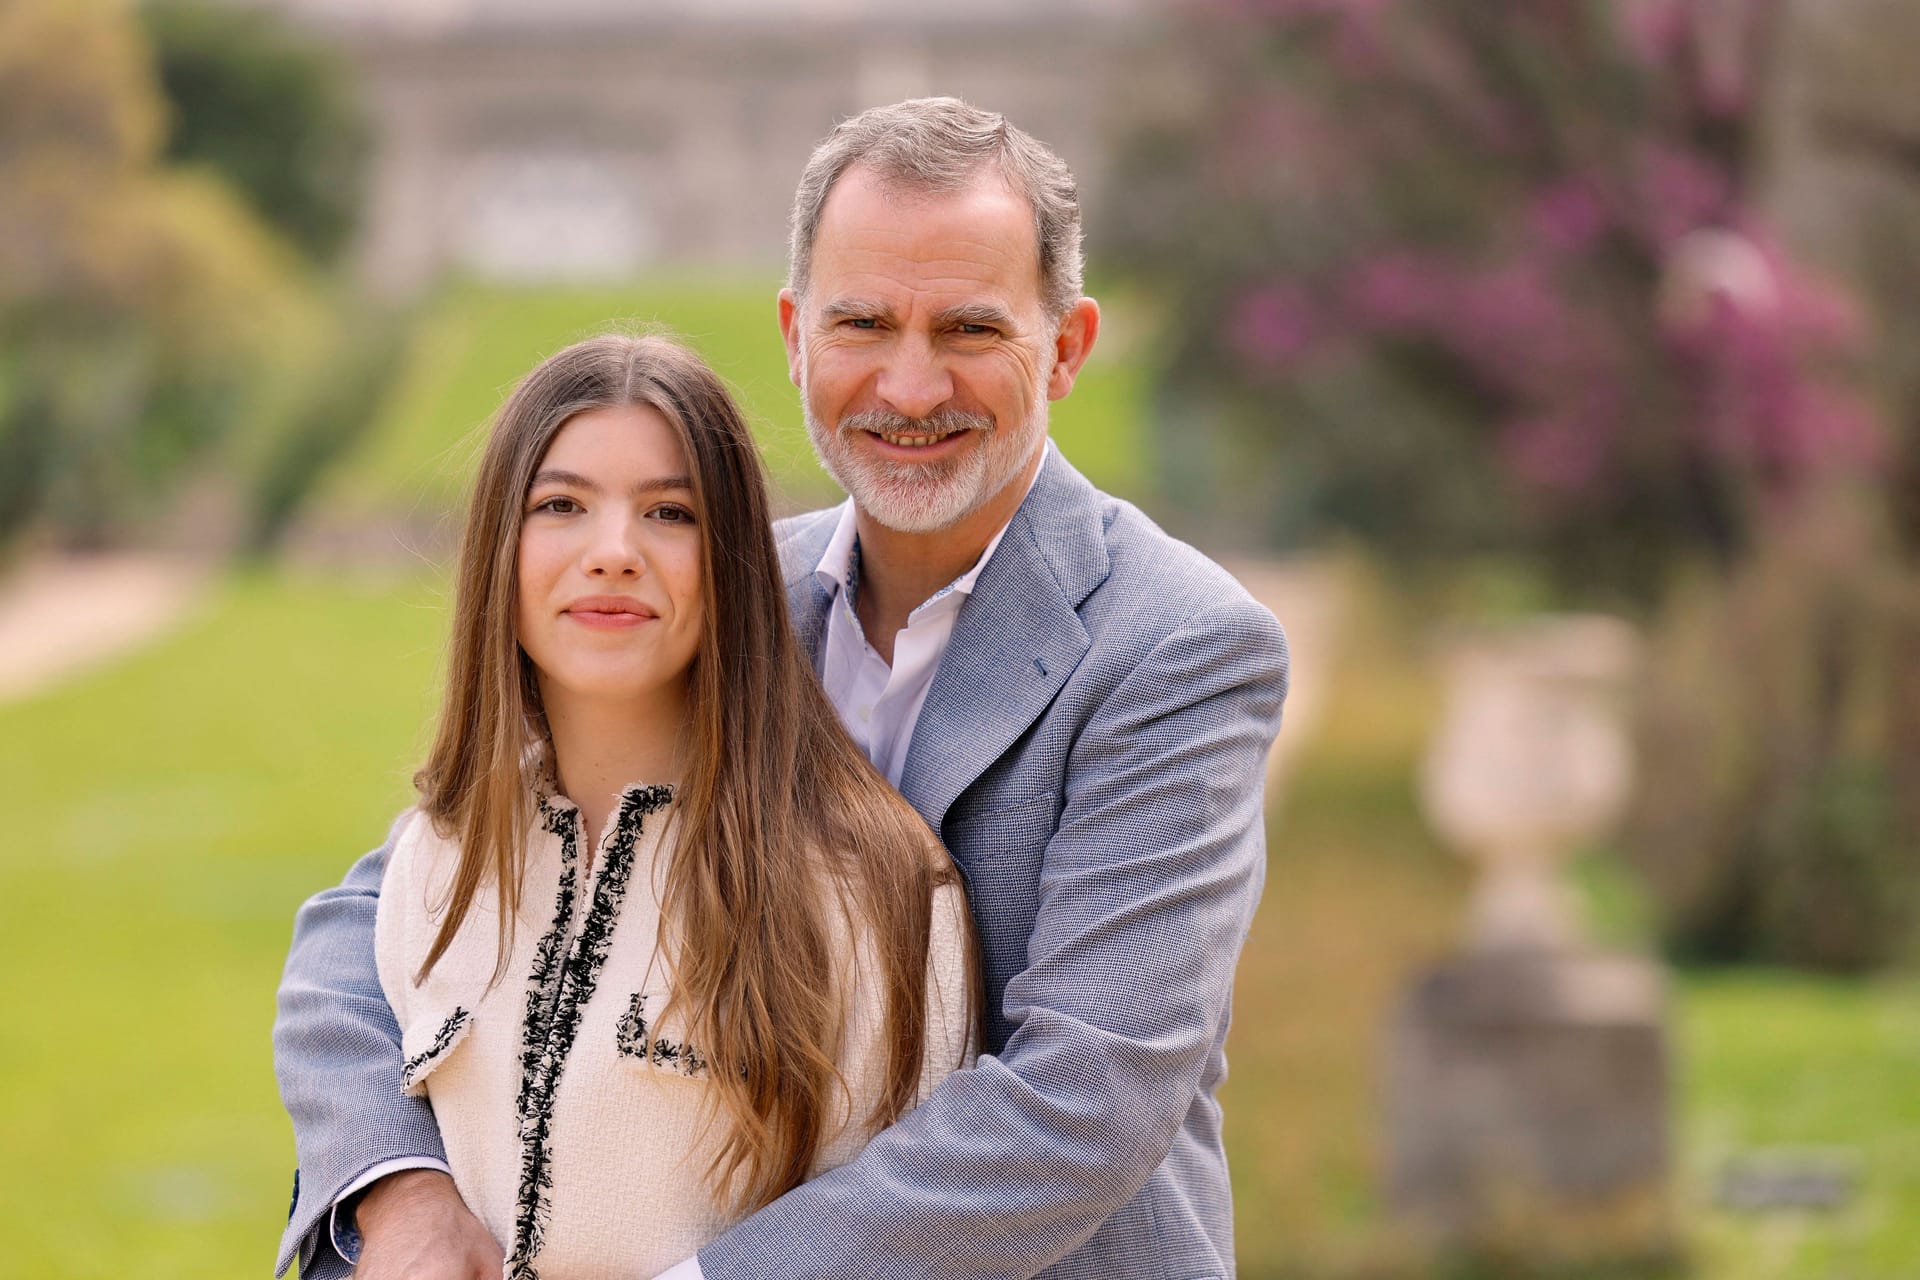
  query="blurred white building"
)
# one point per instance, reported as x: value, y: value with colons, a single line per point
x: 582, y: 139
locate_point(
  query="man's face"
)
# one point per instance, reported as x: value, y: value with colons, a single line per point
x: 922, y: 351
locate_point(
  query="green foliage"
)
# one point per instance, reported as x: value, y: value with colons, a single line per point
x: 274, y: 114
x: 331, y: 413
x: 1779, y: 816
x: 142, y: 310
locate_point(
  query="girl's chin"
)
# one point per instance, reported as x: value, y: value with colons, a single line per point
x: 588, y: 690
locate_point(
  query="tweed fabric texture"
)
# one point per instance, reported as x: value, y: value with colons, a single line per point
x: 621, y: 1187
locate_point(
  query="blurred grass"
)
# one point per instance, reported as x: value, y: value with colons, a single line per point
x: 475, y: 341
x: 169, y: 814
x: 164, y: 819
x: 1359, y: 897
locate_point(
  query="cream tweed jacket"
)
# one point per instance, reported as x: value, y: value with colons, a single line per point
x: 572, y: 1111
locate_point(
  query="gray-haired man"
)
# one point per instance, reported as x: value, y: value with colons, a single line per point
x: 1078, y: 704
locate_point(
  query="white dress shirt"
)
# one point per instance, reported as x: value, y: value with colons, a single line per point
x: 879, y: 704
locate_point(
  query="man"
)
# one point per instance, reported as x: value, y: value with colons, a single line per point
x: 1078, y: 704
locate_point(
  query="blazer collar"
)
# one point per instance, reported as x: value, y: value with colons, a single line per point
x: 1017, y: 639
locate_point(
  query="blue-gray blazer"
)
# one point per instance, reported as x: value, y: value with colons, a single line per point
x: 1092, y: 752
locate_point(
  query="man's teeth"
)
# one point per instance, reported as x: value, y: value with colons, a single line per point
x: 910, y: 441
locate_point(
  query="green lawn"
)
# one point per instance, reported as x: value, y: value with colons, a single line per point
x: 473, y: 342
x: 168, y: 815
x: 165, y: 818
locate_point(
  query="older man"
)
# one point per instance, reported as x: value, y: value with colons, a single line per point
x: 1080, y: 705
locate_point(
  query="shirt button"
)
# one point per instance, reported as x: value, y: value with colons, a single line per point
x: 866, y: 712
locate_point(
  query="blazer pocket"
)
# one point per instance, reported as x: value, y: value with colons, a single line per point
x: 429, y: 1041
x: 644, y: 1040
x: 996, y: 830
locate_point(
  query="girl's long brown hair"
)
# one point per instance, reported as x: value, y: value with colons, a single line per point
x: 779, y: 821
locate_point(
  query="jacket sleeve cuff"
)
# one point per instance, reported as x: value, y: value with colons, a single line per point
x: 342, y: 1231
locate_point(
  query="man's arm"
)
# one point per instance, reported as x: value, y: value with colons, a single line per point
x: 336, y: 1051
x: 1146, y: 893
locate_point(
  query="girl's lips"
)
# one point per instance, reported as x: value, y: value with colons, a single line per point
x: 608, y: 620
x: 610, y: 612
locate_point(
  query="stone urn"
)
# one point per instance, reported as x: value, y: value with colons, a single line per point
x: 1526, y: 1080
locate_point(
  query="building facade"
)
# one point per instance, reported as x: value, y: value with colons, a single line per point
x: 582, y: 139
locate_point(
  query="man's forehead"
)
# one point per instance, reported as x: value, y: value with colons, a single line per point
x: 877, y: 231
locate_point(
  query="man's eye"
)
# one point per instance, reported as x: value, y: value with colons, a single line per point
x: 863, y: 322
x: 976, y: 330
x: 558, y: 506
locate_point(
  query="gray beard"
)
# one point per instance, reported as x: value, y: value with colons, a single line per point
x: 916, y: 497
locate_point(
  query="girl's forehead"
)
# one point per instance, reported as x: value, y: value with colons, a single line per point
x: 619, y: 442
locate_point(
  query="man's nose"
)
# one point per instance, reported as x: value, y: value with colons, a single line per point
x: 914, y: 381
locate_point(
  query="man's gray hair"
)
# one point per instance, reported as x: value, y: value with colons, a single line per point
x: 937, y: 146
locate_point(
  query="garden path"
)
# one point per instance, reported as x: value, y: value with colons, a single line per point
x: 61, y: 614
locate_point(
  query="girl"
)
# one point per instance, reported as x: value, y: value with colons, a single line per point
x: 661, y: 942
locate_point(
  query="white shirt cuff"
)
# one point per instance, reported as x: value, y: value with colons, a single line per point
x: 345, y: 1236
x: 688, y: 1270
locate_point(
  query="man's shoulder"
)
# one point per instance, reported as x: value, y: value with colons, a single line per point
x: 1158, y: 582
x: 800, y: 539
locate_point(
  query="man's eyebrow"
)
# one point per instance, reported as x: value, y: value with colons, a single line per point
x: 565, y: 479
x: 984, y: 313
x: 855, y: 309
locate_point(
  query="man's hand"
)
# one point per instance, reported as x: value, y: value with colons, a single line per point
x: 414, y: 1226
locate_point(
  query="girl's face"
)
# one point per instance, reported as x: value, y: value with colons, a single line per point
x: 609, y: 605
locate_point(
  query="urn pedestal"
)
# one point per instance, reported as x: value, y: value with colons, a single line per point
x: 1527, y: 1075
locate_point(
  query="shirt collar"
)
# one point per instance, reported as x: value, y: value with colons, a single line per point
x: 839, y: 567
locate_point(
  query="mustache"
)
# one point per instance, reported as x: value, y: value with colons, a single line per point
x: 942, y: 422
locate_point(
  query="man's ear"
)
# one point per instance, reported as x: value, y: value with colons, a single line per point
x: 1072, y: 345
x: 790, y: 332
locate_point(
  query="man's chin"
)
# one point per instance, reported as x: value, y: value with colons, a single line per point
x: 910, y: 512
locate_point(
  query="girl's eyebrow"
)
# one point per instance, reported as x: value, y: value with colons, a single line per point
x: 574, y: 480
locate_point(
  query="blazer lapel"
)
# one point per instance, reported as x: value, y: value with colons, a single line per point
x: 1017, y: 640
x: 803, y: 540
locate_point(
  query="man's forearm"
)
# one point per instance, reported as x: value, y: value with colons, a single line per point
x: 337, y: 1053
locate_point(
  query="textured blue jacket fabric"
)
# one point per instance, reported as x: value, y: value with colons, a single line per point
x: 1092, y: 752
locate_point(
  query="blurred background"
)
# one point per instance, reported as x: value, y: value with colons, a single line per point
x: 1437, y: 320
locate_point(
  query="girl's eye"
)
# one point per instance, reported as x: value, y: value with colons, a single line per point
x: 673, y: 515
x: 559, y: 506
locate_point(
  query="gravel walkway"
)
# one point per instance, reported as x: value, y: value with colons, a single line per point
x: 62, y: 615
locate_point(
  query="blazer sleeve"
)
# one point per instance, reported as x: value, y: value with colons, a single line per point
x: 1147, y: 889
x: 336, y: 1051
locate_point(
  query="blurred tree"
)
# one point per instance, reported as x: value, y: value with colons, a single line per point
x: 274, y: 114
x: 1459, y: 276
x: 1456, y: 276
x: 139, y: 309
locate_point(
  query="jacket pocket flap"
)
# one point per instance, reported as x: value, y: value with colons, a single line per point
x: 639, y: 1040
x: 426, y: 1043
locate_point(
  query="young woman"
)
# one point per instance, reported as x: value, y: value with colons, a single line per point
x: 661, y: 943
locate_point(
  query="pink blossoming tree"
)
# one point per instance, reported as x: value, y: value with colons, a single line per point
x: 1465, y: 276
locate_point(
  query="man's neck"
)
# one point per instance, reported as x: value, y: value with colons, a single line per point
x: 900, y: 571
